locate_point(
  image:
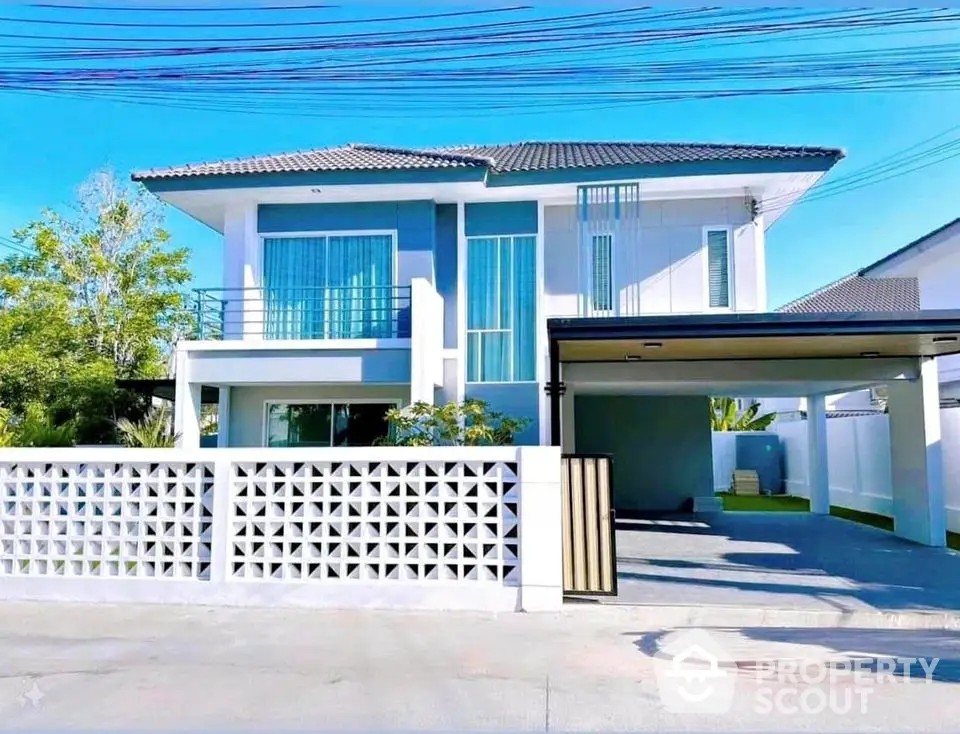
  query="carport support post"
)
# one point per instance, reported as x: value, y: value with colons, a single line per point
x: 818, y: 473
x: 554, y: 391
x: 916, y: 457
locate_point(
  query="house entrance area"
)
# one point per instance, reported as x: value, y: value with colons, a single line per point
x: 637, y: 390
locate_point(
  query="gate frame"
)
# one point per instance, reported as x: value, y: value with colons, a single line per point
x: 613, y: 526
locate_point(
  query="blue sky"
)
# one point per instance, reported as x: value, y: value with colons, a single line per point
x: 50, y: 144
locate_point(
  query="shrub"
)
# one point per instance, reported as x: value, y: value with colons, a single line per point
x: 470, y: 423
x: 153, y: 432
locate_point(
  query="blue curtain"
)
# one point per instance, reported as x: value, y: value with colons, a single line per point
x: 525, y: 309
x: 336, y: 287
x: 483, y: 308
x: 293, y: 275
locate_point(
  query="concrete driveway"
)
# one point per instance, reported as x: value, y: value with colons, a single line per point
x: 781, y: 560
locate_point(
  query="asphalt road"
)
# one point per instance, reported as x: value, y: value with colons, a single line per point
x: 175, y: 668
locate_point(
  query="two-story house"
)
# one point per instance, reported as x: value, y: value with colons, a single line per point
x: 361, y: 277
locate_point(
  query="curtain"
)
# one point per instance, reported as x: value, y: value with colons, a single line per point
x: 293, y: 271
x: 525, y: 309
x: 483, y: 311
x: 336, y: 287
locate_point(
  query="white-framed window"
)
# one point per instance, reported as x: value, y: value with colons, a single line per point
x: 718, y: 270
x: 601, y: 271
x: 501, y: 305
x: 303, y: 423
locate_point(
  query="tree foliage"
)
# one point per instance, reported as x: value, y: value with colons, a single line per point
x: 100, y: 297
x: 470, y: 423
x: 724, y: 416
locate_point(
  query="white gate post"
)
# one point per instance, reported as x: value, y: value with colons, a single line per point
x: 541, y: 544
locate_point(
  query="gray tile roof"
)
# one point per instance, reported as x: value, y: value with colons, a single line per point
x: 551, y: 156
x: 497, y: 158
x: 859, y: 293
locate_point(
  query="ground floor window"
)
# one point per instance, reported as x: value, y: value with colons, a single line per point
x: 325, y: 423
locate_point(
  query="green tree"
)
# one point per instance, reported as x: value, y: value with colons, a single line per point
x: 100, y: 297
x: 724, y: 416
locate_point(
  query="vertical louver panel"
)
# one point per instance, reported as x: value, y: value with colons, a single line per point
x: 602, y: 266
x: 718, y: 268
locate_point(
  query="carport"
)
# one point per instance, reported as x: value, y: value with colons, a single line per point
x: 638, y: 388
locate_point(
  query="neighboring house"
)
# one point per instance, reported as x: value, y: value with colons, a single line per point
x: 921, y: 275
x: 361, y: 277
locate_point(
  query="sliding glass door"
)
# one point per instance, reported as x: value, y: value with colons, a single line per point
x: 325, y: 423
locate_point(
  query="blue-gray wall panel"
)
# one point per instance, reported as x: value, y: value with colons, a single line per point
x: 502, y: 217
x: 662, y: 447
x: 445, y: 259
x: 391, y: 366
x: 521, y: 400
x: 413, y: 220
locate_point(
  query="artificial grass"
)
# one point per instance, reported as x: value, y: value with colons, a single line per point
x: 786, y: 503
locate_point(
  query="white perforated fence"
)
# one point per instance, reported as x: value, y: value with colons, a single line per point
x: 430, y: 527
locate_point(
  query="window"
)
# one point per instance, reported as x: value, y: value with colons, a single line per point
x: 328, y: 286
x: 325, y: 424
x: 501, y: 309
x: 601, y: 258
x: 718, y: 267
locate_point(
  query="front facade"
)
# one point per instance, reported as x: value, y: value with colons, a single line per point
x: 361, y: 278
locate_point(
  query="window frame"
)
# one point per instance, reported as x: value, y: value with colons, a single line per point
x: 265, y: 418
x: 705, y: 256
x: 467, y: 331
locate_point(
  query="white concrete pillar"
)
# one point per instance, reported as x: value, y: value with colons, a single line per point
x: 568, y: 422
x: 916, y: 457
x: 541, y: 544
x: 186, y: 407
x: 818, y: 474
x: 241, y: 272
x: 223, y: 418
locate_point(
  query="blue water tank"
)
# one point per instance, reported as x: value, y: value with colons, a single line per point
x: 763, y: 453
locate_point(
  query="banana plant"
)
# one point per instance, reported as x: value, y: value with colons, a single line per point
x: 724, y: 416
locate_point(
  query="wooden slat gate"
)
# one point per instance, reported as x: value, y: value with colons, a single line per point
x: 589, y: 538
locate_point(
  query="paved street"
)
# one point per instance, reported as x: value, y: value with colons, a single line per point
x: 590, y: 668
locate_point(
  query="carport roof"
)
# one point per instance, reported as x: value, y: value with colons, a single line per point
x: 756, y: 336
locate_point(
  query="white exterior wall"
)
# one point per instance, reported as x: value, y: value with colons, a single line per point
x: 859, y: 462
x: 671, y: 264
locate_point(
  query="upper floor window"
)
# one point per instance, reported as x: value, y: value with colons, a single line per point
x: 501, y: 309
x: 717, y: 246
x: 329, y: 286
x: 601, y: 271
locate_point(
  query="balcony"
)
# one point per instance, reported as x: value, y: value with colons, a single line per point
x: 333, y: 313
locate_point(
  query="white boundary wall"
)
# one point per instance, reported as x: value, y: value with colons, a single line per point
x: 858, y: 457
x: 428, y: 528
